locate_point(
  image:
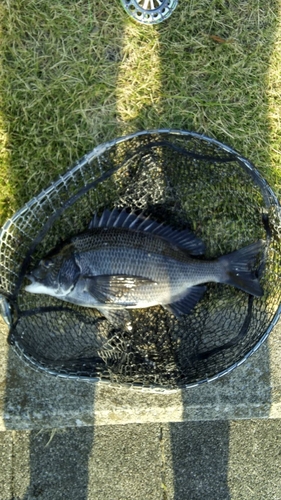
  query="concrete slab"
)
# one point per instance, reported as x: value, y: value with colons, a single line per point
x: 254, y: 460
x: 237, y: 460
x: 223, y: 460
x: 85, y: 464
x: 21, y: 464
x: 126, y: 463
x: 35, y: 400
x: 6, y: 473
x: 196, y: 460
x: 51, y: 465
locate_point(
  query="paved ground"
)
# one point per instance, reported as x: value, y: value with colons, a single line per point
x: 206, y: 454
x: 221, y: 460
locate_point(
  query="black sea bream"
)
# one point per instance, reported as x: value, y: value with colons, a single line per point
x: 125, y: 261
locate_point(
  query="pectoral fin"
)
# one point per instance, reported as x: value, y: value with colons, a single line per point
x: 185, y: 304
x: 108, y: 289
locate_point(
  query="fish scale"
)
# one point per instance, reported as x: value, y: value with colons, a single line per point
x: 127, y: 261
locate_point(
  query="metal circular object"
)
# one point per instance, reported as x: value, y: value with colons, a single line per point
x: 149, y: 11
x: 175, y: 177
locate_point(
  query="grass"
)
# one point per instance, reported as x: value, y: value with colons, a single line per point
x: 76, y: 73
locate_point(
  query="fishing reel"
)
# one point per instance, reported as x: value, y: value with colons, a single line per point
x: 149, y: 11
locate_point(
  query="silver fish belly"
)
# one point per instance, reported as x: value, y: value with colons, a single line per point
x: 124, y: 261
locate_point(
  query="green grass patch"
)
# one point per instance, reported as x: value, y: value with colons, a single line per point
x: 74, y: 74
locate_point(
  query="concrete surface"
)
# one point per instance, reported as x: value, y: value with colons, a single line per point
x: 237, y: 460
x: 6, y: 465
x: 35, y: 400
x: 58, y: 441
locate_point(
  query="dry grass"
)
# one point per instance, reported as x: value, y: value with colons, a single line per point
x: 76, y: 73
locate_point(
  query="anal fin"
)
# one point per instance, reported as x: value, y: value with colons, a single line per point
x: 187, y: 302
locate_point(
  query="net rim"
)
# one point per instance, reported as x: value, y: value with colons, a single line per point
x: 87, y: 159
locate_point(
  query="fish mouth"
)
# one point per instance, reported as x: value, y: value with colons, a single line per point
x: 39, y: 288
x: 32, y: 285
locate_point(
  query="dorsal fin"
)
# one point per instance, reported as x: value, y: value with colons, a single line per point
x: 123, y: 219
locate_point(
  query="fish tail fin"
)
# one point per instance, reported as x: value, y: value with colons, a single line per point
x: 239, y: 269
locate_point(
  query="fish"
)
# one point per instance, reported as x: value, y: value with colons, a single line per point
x: 127, y: 261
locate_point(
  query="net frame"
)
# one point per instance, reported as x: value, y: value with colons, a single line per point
x: 10, y: 284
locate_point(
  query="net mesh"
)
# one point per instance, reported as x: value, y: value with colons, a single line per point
x: 175, y: 177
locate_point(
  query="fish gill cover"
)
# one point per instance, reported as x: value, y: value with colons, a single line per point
x: 177, y: 178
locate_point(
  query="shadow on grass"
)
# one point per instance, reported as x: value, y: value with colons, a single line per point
x: 66, y: 88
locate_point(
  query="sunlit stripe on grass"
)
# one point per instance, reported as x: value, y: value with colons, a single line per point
x: 274, y: 126
x: 138, y: 89
x: 6, y: 192
x: 274, y: 107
